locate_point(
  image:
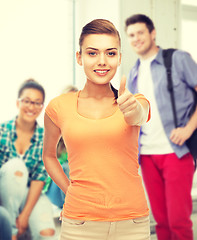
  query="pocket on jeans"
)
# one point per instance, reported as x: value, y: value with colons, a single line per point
x: 76, y: 222
x: 141, y: 220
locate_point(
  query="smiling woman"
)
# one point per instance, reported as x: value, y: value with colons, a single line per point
x: 21, y: 141
x: 100, y: 129
x: 30, y: 103
x: 101, y: 61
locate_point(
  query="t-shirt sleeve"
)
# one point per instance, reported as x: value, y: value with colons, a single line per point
x: 141, y: 96
x: 52, y: 110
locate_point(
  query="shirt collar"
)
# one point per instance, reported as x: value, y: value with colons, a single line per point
x: 12, y: 129
x: 159, y: 57
x: 36, y: 135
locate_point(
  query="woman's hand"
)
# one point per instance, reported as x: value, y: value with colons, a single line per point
x: 131, y: 108
x: 22, y: 223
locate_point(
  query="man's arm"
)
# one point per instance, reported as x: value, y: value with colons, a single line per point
x: 181, y: 134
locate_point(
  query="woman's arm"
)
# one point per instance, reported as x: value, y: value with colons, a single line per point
x: 51, y: 137
x: 35, y: 190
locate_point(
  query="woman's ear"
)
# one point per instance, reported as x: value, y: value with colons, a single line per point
x: 78, y: 57
x: 17, y: 103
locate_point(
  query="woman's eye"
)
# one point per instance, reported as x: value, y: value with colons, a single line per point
x: 26, y: 101
x: 111, y: 53
x: 92, y: 53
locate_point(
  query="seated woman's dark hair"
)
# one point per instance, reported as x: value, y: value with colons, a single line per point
x: 31, y: 83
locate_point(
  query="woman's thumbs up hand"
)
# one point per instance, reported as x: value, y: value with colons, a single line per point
x: 131, y: 108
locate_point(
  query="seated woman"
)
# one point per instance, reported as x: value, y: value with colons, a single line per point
x: 22, y: 173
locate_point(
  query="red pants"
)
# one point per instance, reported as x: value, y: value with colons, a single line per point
x: 168, y: 182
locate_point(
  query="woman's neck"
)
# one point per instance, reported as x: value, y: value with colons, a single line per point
x: 25, y: 126
x: 97, y: 91
x: 25, y: 131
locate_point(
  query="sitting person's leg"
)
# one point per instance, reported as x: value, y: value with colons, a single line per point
x: 13, y: 184
x: 5, y: 225
x: 41, y: 222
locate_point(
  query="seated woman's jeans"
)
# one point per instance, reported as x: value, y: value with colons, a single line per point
x: 5, y: 225
x: 13, y: 195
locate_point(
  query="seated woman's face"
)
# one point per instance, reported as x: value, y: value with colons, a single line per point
x: 30, y: 104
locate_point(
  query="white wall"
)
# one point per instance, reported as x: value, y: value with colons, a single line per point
x: 166, y: 18
x: 188, y: 28
x: 35, y: 43
x: 37, y: 40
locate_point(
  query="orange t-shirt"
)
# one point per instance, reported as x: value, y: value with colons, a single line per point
x: 103, y: 160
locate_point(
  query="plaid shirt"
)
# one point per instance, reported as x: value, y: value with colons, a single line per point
x: 32, y: 156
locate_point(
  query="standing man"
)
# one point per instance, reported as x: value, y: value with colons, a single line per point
x: 167, y: 166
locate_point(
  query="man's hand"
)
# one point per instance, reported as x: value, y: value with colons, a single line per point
x: 180, y: 135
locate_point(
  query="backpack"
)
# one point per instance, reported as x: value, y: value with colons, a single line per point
x: 192, y: 141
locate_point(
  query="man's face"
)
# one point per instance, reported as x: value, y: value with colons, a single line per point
x: 141, y: 40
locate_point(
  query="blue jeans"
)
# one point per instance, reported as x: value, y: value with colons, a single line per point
x: 55, y: 194
x: 5, y: 225
x: 13, y: 195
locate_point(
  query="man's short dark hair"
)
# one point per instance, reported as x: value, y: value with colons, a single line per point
x: 140, y: 18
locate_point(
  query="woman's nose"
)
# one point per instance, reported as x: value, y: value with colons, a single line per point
x: 102, y: 59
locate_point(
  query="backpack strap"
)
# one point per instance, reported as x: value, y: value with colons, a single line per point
x: 167, y: 57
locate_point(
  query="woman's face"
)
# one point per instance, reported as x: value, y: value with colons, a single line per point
x: 100, y: 56
x: 30, y: 104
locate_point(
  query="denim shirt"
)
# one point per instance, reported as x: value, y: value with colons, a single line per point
x: 184, y: 77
